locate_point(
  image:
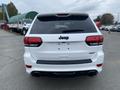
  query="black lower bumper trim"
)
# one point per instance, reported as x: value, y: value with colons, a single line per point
x: 72, y: 73
x: 62, y: 62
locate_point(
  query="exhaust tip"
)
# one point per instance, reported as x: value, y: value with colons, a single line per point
x: 35, y: 74
x: 92, y: 73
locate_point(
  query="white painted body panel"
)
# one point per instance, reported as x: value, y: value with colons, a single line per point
x: 54, y: 49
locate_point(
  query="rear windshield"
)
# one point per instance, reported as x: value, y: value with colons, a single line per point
x: 62, y: 25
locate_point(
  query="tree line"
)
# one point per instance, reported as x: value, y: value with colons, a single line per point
x: 12, y: 11
x: 105, y: 19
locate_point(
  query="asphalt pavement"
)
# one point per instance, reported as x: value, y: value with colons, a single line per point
x: 14, y: 77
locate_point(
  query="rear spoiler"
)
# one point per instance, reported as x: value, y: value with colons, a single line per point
x: 62, y: 16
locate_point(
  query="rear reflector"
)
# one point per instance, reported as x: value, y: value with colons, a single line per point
x: 99, y: 65
x: 32, y: 41
x: 28, y: 66
x: 94, y: 40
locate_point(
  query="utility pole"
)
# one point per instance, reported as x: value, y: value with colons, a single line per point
x: 3, y: 12
x: 118, y: 17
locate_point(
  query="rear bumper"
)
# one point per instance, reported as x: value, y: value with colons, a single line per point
x: 70, y: 73
x: 65, y: 67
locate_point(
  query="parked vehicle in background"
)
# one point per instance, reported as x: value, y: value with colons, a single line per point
x: 19, y: 23
x: 63, y: 44
x: 26, y: 26
x: 107, y: 28
x: 2, y: 24
x: 98, y: 24
x: 102, y: 27
x: 21, y: 26
x: 116, y: 28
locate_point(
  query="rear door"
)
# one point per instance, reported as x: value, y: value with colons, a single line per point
x: 64, y: 37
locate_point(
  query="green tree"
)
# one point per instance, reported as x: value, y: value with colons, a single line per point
x: 97, y: 19
x: 107, y: 19
x: 1, y: 16
x: 12, y: 10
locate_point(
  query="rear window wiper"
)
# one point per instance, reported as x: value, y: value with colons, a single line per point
x: 73, y: 31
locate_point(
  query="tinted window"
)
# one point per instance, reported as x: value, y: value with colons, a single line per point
x: 62, y: 25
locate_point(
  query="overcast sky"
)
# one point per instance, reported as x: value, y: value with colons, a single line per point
x: 44, y: 6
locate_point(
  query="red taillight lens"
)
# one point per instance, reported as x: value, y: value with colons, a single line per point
x: 32, y: 41
x: 94, y: 40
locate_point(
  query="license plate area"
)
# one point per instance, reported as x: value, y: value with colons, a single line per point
x: 64, y: 73
x: 63, y: 46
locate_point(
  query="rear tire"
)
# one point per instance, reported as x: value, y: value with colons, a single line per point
x: 23, y: 32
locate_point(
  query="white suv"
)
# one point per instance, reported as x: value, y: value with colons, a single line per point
x: 62, y: 44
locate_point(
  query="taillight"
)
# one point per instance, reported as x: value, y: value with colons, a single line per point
x: 94, y: 40
x: 32, y: 41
